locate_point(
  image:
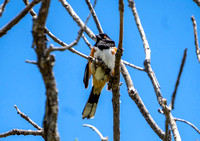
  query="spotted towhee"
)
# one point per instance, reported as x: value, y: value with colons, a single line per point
x: 105, y: 50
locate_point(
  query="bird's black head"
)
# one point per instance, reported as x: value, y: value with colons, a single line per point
x: 103, y: 41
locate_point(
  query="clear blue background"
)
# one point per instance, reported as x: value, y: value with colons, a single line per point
x: 169, y: 31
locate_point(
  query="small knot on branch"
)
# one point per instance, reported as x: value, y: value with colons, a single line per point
x: 131, y: 3
x: 120, y: 51
x: 132, y: 91
x: 121, y: 5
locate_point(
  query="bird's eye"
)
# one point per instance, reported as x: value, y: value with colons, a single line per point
x: 104, y: 36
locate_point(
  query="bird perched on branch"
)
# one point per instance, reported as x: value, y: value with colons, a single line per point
x: 104, y: 49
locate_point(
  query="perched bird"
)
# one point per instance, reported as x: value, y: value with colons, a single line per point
x: 105, y: 50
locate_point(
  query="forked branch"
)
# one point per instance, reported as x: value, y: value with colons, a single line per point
x: 76, y: 18
x: 22, y: 132
x: 152, y: 76
x: 38, y: 132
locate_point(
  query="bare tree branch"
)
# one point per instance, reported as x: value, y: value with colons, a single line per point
x: 2, y: 7
x: 147, y: 65
x: 22, y: 132
x: 86, y: 41
x: 27, y: 119
x: 138, y: 101
x: 76, y: 18
x: 116, y: 78
x: 31, y: 62
x: 15, y: 20
x: 151, y: 74
x: 133, y: 66
x: 96, y: 20
x: 97, y: 131
x: 80, y: 34
x: 178, y: 79
x: 141, y: 30
x: 174, y: 127
x: 189, y: 123
x: 32, y: 12
x: 197, y: 2
x: 196, y: 38
x: 45, y: 65
x: 166, y: 130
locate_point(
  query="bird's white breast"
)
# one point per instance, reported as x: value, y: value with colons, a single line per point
x: 107, y: 57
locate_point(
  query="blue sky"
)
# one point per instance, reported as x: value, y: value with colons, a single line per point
x: 169, y: 31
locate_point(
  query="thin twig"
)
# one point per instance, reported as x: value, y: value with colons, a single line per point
x: 75, y: 42
x: 96, y: 20
x: 2, y: 7
x: 86, y: 41
x: 133, y: 66
x: 27, y: 119
x: 189, y: 123
x: 21, y: 132
x: 67, y: 47
x: 197, y: 2
x: 196, y: 38
x: 31, y: 62
x: 77, y: 19
x: 97, y: 131
x: 15, y: 20
x: 178, y: 79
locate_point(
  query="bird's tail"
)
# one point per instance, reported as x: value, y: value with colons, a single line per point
x: 91, y: 105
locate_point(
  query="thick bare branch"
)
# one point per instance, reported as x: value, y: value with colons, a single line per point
x: 28, y: 119
x: 196, y: 38
x: 2, y: 7
x: 189, y: 123
x: 21, y: 132
x: 76, y: 18
x: 96, y: 20
x: 174, y: 127
x: 138, y: 101
x: 15, y: 20
x: 97, y: 131
x: 116, y: 78
x: 45, y: 65
x: 178, y: 79
x: 197, y: 2
x: 166, y: 130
